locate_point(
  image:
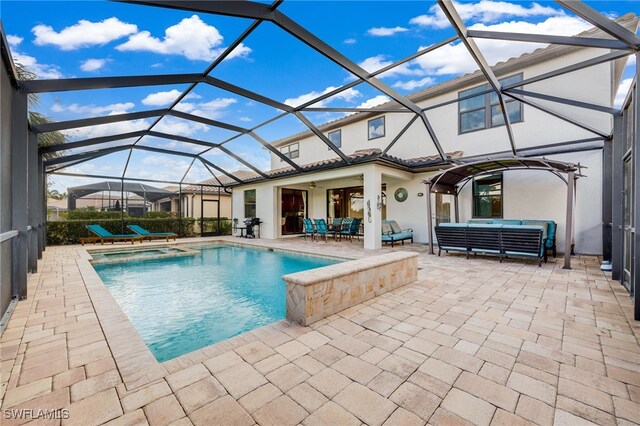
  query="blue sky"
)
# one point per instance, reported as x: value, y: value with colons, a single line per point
x: 96, y: 38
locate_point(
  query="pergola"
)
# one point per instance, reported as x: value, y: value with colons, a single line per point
x: 28, y: 167
x: 147, y: 192
x: 452, y: 180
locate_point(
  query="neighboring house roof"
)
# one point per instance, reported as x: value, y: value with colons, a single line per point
x: 629, y: 21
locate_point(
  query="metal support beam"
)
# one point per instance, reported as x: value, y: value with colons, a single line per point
x: 133, y: 179
x: 550, y: 39
x: 226, y: 173
x: 85, y: 155
x: 457, y: 23
x: 558, y: 115
x: 322, y: 137
x: 570, y: 68
x: 207, y: 121
x: 93, y: 83
x: 571, y: 181
x: 243, y: 161
x: 95, y: 121
x: 455, y: 206
x: 617, y: 197
x: 42, y: 214
x: 19, y: 192
x: 90, y: 142
x: 399, y: 135
x: 607, y: 199
x: 33, y: 200
x: 276, y: 151
x: 247, y: 93
x: 374, y: 110
x: 602, y: 22
x: 635, y: 145
x: 429, y: 222
x: 565, y: 101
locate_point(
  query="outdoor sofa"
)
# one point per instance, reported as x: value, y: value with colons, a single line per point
x: 527, y: 241
x: 549, y: 225
x: 393, y: 233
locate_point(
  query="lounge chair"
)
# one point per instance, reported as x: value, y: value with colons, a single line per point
x: 146, y: 235
x: 103, y: 235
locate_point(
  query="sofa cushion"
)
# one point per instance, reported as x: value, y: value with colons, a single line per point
x: 386, y: 228
x: 480, y: 221
x: 508, y: 221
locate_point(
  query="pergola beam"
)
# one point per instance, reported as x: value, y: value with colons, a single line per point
x: 457, y: 23
x: 346, y: 109
x: 210, y: 164
x: 207, y: 121
x: 242, y: 160
x: 550, y: 39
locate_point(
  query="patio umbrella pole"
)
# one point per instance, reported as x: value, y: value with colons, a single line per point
x: 569, y: 221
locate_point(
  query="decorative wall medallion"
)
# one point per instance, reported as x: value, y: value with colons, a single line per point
x: 401, y: 194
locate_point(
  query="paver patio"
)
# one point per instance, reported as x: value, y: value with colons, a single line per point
x: 471, y: 342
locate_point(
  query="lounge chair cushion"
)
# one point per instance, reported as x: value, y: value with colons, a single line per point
x: 507, y: 221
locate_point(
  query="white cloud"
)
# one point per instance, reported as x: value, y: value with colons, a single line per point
x: 455, y: 59
x: 350, y: 41
x: 245, y: 119
x: 485, y: 11
x: 191, y: 38
x: 165, y: 98
x: 386, y: 31
x: 117, y: 108
x: 375, y: 101
x: 414, y: 84
x: 14, y: 40
x: 180, y: 127
x: 212, y: 109
x: 347, y: 95
x: 42, y: 71
x: 622, y: 92
x: 374, y: 63
x: 83, y: 34
x: 93, y: 64
x: 106, y: 129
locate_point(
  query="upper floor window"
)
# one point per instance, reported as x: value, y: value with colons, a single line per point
x: 291, y: 151
x: 376, y: 128
x: 484, y: 111
x: 335, y: 138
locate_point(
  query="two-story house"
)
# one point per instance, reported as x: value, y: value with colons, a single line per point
x: 466, y: 117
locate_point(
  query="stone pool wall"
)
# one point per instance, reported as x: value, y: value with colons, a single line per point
x: 315, y: 294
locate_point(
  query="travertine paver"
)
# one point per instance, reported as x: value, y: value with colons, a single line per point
x: 471, y: 342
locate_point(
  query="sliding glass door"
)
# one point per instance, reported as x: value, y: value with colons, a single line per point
x: 294, y: 209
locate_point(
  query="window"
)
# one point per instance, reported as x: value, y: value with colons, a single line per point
x: 250, y: 203
x: 376, y: 128
x: 487, y: 196
x: 349, y: 202
x: 335, y: 138
x: 484, y: 111
x: 291, y: 151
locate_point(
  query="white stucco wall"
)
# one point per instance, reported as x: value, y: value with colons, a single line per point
x: 538, y: 128
x: 526, y: 195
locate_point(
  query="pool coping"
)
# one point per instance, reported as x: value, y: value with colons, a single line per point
x: 135, y: 361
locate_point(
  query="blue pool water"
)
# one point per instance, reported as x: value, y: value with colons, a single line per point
x: 185, y: 303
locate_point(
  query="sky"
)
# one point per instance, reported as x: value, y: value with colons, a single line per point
x: 56, y: 39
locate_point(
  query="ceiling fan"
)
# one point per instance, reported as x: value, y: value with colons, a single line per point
x: 314, y: 185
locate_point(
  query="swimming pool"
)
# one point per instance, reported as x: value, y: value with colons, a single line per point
x: 180, y: 304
